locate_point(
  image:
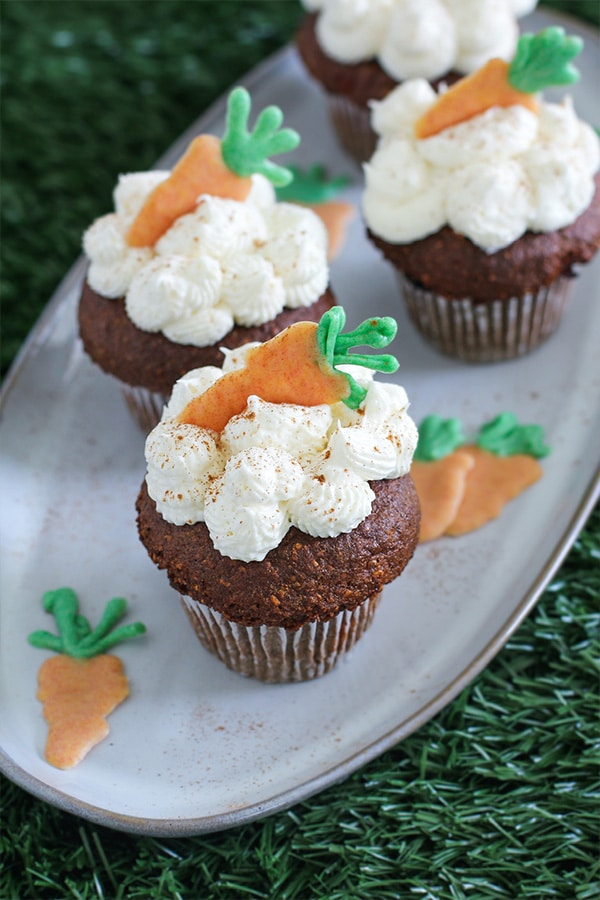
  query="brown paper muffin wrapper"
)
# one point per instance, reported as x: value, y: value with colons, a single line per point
x: 352, y: 125
x: 488, y: 331
x: 274, y: 654
x: 145, y: 406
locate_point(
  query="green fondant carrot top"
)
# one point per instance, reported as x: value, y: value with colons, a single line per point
x: 543, y: 60
x: 245, y: 152
x: 505, y: 437
x: 438, y: 438
x: 75, y: 635
x: 335, y: 348
x: 502, y: 436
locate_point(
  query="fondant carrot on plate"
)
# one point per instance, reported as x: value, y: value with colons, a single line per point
x: 462, y: 486
x: 82, y: 685
x: 439, y: 471
x: 299, y: 365
x: 220, y: 167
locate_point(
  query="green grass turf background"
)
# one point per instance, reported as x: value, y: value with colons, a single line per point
x: 497, y: 797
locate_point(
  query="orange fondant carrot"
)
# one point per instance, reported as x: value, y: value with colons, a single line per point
x: 461, y: 487
x: 540, y: 61
x: 221, y: 168
x: 266, y: 374
x: 200, y: 170
x: 77, y: 696
x: 491, y: 483
x: 471, y: 96
x: 296, y: 366
x: 440, y: 487
x: 81, y: 686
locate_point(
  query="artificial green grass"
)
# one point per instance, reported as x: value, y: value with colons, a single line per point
x: 497, y: 797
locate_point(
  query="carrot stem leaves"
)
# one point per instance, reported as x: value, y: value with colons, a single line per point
x: 544, y: 60
x: 75, y: 636
x: 438, y: 438
x: 504, y: 436
x: 245, y: 152
x: 335, y: 347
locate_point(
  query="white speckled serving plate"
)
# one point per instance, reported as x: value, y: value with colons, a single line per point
x: 196, y: 748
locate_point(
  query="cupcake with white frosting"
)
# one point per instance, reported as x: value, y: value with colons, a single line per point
x: 485, y: 198
x: 278, y: 497
x: 200, y: 258
x: 360, y: 50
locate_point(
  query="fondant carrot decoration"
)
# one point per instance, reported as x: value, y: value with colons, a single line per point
x: 491, y: 483
x: 504, y: 436
x: 222, y: 168
x: 505, y: 465
x: 440, y: 485
x: 439, y: 471
x: 540, y: 61
x: 83, y: 684
x: 200, y: 170
x: 438, y: 438
x: 297, y: 366
x: 313, y: 189
x: 463, y: 486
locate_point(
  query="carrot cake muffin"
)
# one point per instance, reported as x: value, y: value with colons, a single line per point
x: 200, y: 258
x: 484, y: 198
x: 278, y: 497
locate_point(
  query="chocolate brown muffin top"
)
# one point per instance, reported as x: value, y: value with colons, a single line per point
x: 360, y: 82
x: 450, y: 264
x: 304, y: 579
x: 151, y: 360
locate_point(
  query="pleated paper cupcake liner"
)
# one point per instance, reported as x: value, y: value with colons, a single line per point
x: 145, y: 406
x: 273, y: 654
x: 488, y: 331
x: 353, y: 126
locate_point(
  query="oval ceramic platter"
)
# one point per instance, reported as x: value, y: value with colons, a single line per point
x: 197, y: 748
